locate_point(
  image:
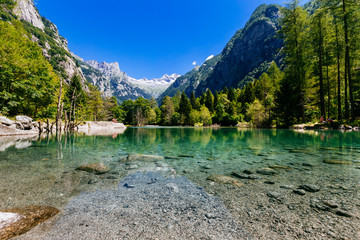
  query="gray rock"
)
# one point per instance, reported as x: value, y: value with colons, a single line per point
x: 287, y: 186
x: 254, y: 176
x: 266, y: 171
x: 307, y: 165
x: 310, y: 188
x: 330, y: 203
x: 269, y: 182
x: 274, y: 194
x: 299, y: 191
x: 344, y: 213
x: 24, y: 119
x: 248, y: 172
x: 240, y: 175
x: 6, y: 121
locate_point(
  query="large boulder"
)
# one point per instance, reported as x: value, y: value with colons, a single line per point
x: 6, y: 121
x: 17, y: 221
x: 25, y: 121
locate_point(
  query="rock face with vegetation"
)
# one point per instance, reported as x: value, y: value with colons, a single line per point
x: 247, y: 55
x: 46, y: 34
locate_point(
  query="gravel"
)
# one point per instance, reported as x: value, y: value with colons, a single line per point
x: 147, y: 206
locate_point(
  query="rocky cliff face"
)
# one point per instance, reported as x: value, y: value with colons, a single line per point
x: 247, y: 55
x: 46, y: 34
x: 191, y: 80
x: 26, y: 10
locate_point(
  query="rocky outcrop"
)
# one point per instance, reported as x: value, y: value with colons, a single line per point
x: 247, y: 55
x: 53, y: 45
x: 26, y: 10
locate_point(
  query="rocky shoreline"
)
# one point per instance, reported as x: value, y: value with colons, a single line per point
x: 24, y: 125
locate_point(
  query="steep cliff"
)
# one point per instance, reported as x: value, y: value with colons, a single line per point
x: 247, y: 55
x: 46, y: 35
x: 190, y: 81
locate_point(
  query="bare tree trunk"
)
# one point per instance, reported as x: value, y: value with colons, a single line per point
x: 66, y: 121
x: 47, y: 126
x: 58, y: 108
x: 40, y: 128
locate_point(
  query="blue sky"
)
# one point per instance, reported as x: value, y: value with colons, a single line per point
x: 149, y: 38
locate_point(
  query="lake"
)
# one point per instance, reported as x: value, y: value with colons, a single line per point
x: 41, y: 171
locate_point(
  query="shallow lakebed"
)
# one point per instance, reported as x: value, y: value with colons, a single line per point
x: 290, y: 184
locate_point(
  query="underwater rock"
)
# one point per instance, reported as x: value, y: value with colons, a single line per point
x: 330, y: 203
x: 299, y: 191
x: 266, y: 171
x: 96, y: 168
x: 186, y: 156
x: 280, y: 167
x: 329, y: 161
x: 240, y: 175
x: 248, y: 172
x: 287, y: 186
x: 274, y: 194
x: 343, y: 213
x: 224, y: 180
x: 141, y: 157
x: 310, y: 188
x: 26, y: 219
x: 307, y: 165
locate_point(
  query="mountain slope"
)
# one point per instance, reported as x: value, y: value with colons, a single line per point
x: 247, y: 55
x: 47, y: 36
x: 190, y: 81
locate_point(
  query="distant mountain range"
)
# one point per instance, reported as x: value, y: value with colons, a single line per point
x: 113, y: 82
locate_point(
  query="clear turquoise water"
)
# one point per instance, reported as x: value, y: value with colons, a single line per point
x: 41, y: 171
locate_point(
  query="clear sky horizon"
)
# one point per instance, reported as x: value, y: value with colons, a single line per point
x: 149, y: 38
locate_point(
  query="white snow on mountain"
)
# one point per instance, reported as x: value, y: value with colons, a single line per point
x: 155, y: 87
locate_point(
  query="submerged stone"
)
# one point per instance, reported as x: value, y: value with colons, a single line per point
x: 299, y: 191
x: 330, y: 203
x: 280, y: 167
x: 329, y: 161
x: 343, y: 213
x: 26, y: 219
x: 224, y: 180
x: 141, y: 157
x: 274, y: 194
x: 97, y: 168
x: 266, y: 171
x: 186, y: 156
x: 310, y: 188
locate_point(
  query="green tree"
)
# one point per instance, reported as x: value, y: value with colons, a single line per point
x: 27, y: 81
x: 168, y: 110
x: 294, y: 31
